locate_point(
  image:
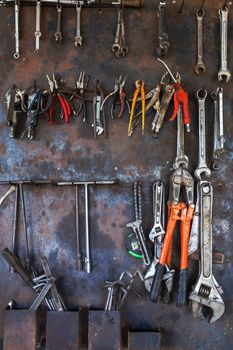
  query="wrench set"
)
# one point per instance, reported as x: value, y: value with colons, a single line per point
x: 119, y: 46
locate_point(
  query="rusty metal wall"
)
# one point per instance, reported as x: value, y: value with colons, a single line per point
x: 70, y: 152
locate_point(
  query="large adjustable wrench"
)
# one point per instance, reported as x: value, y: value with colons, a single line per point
x: 202, y: 167
x: 223, y: 15
x: 206, y: 291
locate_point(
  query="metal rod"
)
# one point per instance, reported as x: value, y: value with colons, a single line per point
x: 28, y: 264
x: 87, y: 234
x: 79, y: 255
x: 15, y: 225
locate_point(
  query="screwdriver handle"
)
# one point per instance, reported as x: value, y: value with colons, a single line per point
x: 157, y: 281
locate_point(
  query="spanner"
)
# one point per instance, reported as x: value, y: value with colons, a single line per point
x: 206, y: 291
x: 119, y: 46
x: 17, y: 7
x: 163, y: 37
x: 200, y: 66
x: 38, y: 31
x: 58, y: 34
x: 202, y: 167
x: 223, y: 15
x: 157, y: 231
x: 181, y: 159
x: 78, y: 38
x: 219, y: 139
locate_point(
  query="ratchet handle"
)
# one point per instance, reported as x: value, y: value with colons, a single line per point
x: 16, y: 264
x: 157, y: 281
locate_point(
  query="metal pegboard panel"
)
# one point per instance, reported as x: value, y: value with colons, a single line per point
x: 64, y: 152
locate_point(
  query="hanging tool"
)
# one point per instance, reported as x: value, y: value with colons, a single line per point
x: 58, y: 34
x: 99, y: 121
x: 17, y: 8
x: 136, y: 243
x: 65, y: 103
x: 81, y: 86
x: 180, y: 98
x: 163, y: 37
x: 206, y: 292
x: 178, y: 211
x: 140, y: 90
x: 119, y: 46
x: 119, y: 99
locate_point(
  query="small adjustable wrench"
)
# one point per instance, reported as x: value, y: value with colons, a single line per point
x: 200, y: 66
x: 223, y: 15
x: 38, y: 31
x: 17, y: 7
x: 78, y: 39
x: 58, y: 34
x: 206, y: 291
x: 202, y: 167
x: 163, y: 37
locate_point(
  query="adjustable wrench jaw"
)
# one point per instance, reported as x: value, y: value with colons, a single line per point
x: 199, y: 298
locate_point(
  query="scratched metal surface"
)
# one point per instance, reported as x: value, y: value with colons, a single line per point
x: 70, y: 152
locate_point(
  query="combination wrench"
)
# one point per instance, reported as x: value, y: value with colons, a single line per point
x: 78, y: 38
x: 38, y: 31
x: 17, y: 7
x: 206, y: 291
x: 200, y: 66
x: 219, y: 139
x: 163, y: 37
x: 181, y: 159
x: 223, y: 15
x: 58, y: 34
x: 119, y: 46
x: 202, y: 167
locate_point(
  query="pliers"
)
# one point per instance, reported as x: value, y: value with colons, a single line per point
x: 140, y: 89
x: 81, y: 86
x: 178, y: 211
x: 119, y: 98
x: 65, y: 105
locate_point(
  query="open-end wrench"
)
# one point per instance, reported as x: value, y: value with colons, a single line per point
x: 78, y: 38
x: 17, y: 7
x: 58, y: 34
x: 219, y: 139
x: 119, y: 46
x: 205, y: 292
x: 38, y: 31
x: 200, y: 66
x: 223, y: 15
x: 202, y: 167
x: 181, y: 159
x: 163, y: 37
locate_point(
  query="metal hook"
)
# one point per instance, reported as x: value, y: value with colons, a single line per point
x: 168, y: 69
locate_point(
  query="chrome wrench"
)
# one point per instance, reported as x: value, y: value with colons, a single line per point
x: 181, y: 159
x: 206, y: 291
x: 17, y: 7
x: 200, y: 66
x: 163, y: 37
x: 58, y: 34
x: 38, y: 31
x: 202, y: 167
x: 223, y: 15
x: 219, y: 139
x: 78, y: 39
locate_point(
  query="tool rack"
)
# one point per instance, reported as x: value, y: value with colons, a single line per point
x: 68, y: 153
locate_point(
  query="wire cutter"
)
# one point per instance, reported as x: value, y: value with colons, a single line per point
x: 140, y: 89
x: 119, y: 98
x: 178, y: 211
x: 65, y: 106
